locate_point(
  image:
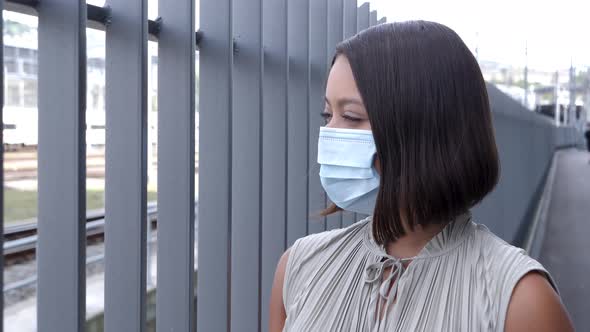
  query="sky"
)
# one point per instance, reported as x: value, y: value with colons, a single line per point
x: 556, y: 32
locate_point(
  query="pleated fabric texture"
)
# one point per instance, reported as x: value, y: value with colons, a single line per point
x: 461, y: 280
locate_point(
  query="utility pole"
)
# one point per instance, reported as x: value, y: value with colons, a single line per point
x: 556, y: 99
x: 477, y: 46
x: 526, y: 76
x: 572, y: 86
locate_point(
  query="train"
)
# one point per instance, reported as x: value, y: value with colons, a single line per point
x: 21, y: 128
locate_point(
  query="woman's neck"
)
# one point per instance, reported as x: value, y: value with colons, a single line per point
x: 412, y: 242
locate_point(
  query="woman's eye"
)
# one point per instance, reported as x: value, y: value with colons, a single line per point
x: 351, y: 118
x: 326, y: 116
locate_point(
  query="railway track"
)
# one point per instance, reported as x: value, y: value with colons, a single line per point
x: 20, y: 242
x: 22, y: 239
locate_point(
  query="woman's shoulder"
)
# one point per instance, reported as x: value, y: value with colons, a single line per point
x: 504, y: 265
x: 319, y: 243
x: 504, y: 260
x: 313, y: 252
x: 495, y: 246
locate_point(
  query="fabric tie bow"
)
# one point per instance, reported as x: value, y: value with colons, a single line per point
x: 374, y: 272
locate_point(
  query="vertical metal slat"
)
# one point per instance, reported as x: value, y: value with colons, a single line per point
x: 350, y: 29
x: 362, y: 18
x: 335, y: 32
x: 126, y: 164
x: 176, y: 166
x: 350, y: 17
x: 215, y: 101
x: 373, y: 18
x: 274, y: 147
x: 61, y: 242
x: 362, y: 22
x: 318, y: 30
x: 297, y: 132
x: 372, y: 22
x: 246, y: 166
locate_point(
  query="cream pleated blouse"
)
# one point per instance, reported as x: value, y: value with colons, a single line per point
x: 461, y: 280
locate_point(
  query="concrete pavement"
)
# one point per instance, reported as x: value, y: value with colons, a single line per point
x: 566, y: 246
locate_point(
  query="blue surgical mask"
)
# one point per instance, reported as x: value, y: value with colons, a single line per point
x: 346, y: 168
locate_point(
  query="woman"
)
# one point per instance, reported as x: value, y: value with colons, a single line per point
x: 409, y: 140
x: 587, y: 136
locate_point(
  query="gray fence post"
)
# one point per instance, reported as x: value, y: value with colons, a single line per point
x: 274, y: 147
x: 362, y: 22
x: 61, y: 243
x: 176, y: 166
x: 318, y: 30
x: 373, y: 18
x: 246, y: 166
x: 350, y: 29
x: 215, y: 102
x: 298, y: 119
x: 362, y: 18
x: 335, y: 32
x: 126, y: 162
x: 350, y: 18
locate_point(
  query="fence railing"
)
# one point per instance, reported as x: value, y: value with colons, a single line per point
x: 526, y: 143
x: 263, y: 65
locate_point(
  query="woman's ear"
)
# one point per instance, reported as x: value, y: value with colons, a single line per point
x: 377, y: 164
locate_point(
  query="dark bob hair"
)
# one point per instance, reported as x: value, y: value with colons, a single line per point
x: 429, y: 112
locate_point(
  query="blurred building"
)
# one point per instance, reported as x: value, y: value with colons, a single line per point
x: 565, y: 91
x: 21, y: 93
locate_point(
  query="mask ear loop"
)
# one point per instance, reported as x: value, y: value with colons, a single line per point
x: 377, y: 164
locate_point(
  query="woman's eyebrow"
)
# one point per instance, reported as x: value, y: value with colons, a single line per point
x: 343, y: 101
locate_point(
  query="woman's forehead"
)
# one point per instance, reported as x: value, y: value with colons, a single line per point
x: 341, y: 83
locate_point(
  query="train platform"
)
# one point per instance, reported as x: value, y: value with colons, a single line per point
x: 565, y: 245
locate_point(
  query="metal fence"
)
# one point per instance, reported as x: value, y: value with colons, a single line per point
x: 526, y: 143
x: 263, y: 66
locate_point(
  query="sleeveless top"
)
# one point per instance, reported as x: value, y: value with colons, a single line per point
x: 461, y: 280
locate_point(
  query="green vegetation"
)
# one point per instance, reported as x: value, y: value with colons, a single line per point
x: 583, y: 78
x: 20, y: 205
x: 13, y: 28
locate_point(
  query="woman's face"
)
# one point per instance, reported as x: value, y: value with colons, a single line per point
x: 344, y: 106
